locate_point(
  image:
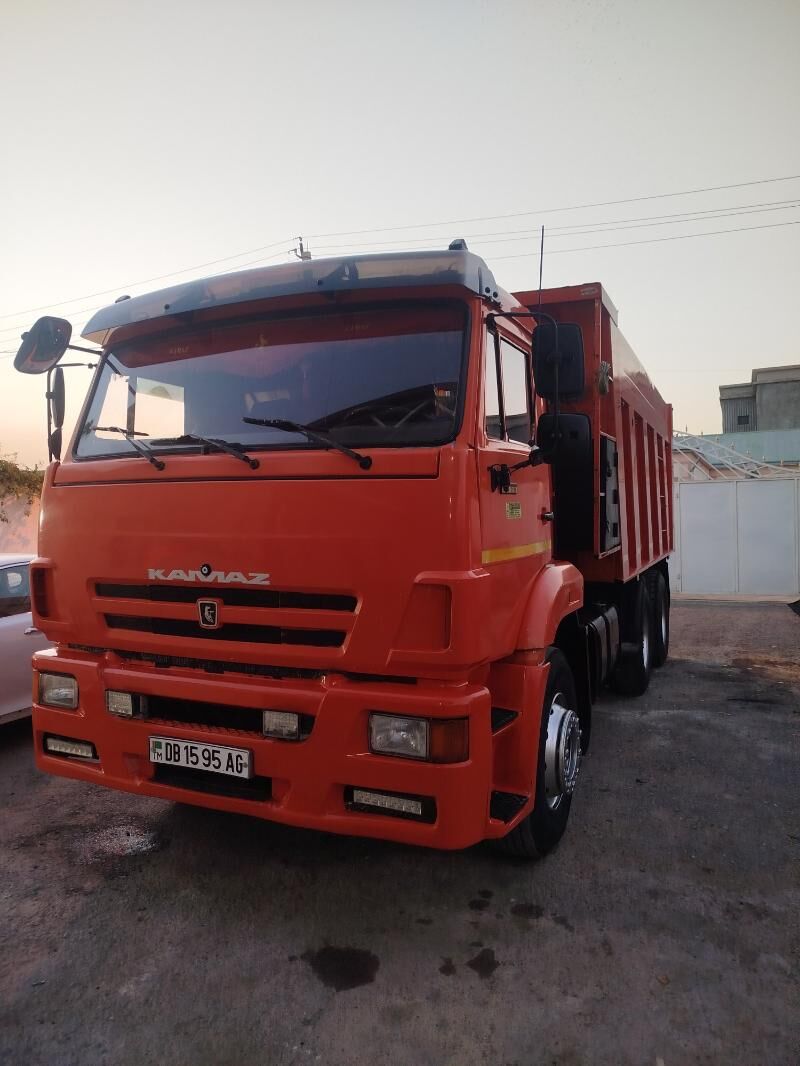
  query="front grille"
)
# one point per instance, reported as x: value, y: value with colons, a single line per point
x: 253, y: 788
x: 215, y: 715
x: 234, y: 597
x: 215, y: 666
x: 235, y: 631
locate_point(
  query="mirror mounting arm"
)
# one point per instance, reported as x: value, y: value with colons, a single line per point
x: 89, y: 351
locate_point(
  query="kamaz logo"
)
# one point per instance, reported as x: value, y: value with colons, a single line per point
x: 209, y: 577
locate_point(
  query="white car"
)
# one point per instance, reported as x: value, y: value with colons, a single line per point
x: 19, y: 638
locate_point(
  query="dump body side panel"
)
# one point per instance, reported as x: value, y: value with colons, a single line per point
x: 631, y: 428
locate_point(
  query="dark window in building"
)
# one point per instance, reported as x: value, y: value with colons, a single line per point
x: 743, y: 420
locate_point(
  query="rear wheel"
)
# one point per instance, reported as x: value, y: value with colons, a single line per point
x: 632, y: 674
x: 659, y: 601
x: 558, y: 763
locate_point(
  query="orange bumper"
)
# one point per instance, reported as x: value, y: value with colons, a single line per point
x: 303, y: 783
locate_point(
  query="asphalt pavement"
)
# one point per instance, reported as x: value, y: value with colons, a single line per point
x: 663, y: 930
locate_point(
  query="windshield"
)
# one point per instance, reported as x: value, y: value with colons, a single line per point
x: 382, y: 377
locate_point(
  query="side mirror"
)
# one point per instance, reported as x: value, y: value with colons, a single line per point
x: 56, y: 397
x: 562, y: 348
x: 43, y: 345
x: 55, y: 411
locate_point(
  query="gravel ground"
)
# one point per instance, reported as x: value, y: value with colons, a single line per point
x: 664, y: 930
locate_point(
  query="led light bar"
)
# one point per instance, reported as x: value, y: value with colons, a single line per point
x: 395, y: 804
x: 78, y: 749
x: 386, y: 802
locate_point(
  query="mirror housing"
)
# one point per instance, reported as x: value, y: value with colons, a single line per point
x: 43, y: 345
x: 56, y: 397
x: 55, y: 411
x: 560, y: 346
x: 54, y: 443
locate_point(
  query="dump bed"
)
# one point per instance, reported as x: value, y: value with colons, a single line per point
x: 630, y: 426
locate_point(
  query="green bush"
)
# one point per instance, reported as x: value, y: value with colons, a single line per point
x: 18, y: 483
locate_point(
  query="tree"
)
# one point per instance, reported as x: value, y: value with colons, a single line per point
x: 18, y: 483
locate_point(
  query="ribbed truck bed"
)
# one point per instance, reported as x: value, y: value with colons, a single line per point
x: 631, y: 437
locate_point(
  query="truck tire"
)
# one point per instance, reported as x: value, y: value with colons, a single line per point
x: 632, y: 673
x: 659, y: 601
x: 558, y: 763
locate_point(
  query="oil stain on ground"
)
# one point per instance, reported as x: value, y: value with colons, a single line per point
x: 343, y: 968
x: 527, y: 910
x: 484, y: 964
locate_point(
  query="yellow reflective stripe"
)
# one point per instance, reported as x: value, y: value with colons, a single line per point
x: 519, y: 551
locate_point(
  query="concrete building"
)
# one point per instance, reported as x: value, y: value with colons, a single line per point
x: 770, y: 400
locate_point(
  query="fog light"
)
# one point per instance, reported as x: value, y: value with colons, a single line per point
x: 58, y: 690
x: 393, y: 804
x: 120, y: 703
x: 78, y: 749
x: 390, y: 734
x: 284, y: 725
x: 386, y: 801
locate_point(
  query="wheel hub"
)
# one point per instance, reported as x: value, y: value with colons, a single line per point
x: 562, y: 752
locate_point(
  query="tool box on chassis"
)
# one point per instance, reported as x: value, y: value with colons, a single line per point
x: 384, y: 642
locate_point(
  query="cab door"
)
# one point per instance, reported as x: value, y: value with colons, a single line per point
x: 516, y: 537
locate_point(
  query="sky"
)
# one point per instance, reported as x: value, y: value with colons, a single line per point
x: 149, y: 139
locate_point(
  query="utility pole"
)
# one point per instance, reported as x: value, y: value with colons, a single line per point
x: 301, y: 252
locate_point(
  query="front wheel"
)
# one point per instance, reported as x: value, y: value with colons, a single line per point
x: 558, y: 763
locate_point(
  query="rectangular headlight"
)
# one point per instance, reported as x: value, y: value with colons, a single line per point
x: 284, y: 725
x: 58, y: 690
x: 389, y: 734
x: 443, y: 740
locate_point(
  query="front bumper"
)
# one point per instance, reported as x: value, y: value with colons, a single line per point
x: 306, y: 781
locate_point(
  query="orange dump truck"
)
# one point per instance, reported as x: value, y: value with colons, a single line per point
x: 350, y: 544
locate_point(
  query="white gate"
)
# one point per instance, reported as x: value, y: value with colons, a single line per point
x: 737, y: 536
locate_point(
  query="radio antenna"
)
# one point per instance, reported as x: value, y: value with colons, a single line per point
x: 541, y: 266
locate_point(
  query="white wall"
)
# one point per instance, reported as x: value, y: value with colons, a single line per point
x: 737, y: 536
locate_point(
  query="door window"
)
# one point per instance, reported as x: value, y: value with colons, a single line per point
x: 494, y: 423
x: 15, y: 595
x: 516, y: 394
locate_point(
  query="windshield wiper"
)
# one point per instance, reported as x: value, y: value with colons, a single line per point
x: 236, y: 450
x: 364, y: 461
x: 138, y: 445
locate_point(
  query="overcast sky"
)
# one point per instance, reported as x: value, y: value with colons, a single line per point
x: 143, y: 139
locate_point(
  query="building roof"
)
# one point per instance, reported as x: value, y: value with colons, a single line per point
x: 760, y: 376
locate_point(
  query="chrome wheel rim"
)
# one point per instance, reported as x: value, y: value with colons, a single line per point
x: 562, y: 757
x: 664, y: 624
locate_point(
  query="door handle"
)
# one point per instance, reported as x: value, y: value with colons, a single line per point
x: 31, y: 630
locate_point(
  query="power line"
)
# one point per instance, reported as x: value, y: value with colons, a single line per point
x: 419, y: 225
x: 653, y: 240
x: 555, y: 210
x: 146, y: 281
x: 90, y: 310
x: 607, y: 227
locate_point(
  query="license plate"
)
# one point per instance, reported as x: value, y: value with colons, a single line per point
x: 216, y: 758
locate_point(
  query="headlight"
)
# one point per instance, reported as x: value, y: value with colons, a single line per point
x: 58, y: 690
x: 391, y: 735
x: 433, y: 739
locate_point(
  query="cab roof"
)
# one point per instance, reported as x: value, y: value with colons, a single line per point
x: 355, y: 272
